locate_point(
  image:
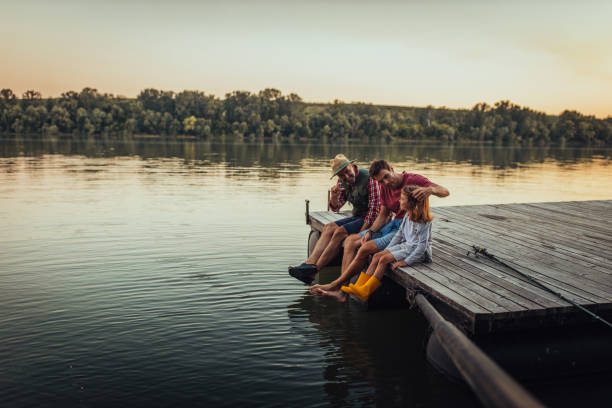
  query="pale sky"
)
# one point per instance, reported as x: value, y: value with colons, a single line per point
x: 547, y: 55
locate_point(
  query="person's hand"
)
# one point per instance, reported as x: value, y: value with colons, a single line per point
x: 421, y: 193
x: 336, y: 190
x: 398, y: 264
x: 366, y: 237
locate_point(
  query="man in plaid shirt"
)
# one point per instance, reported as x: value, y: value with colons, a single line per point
x: 359, y: 247
x: 356, y: 187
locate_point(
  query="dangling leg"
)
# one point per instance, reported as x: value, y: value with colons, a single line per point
x: 364, y: 292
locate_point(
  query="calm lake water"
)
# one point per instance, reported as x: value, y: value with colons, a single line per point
x: 154, y: 273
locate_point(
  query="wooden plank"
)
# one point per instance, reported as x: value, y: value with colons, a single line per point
x: 572, y: 206
x: 558, y: 253
x: 540, y: 215
x: 559, y: 287
x: 606, y: 204
x: 539, y: 271
x: 552, y: 214
x: 417, y: 279
x: 574, y: 214
x: 542, y: 239
x: 504, y: 300
x: 550, y: 241
x: 316, y: 221
x: 558, y: 216
x: 521, y: 259
x: 489, y: 235
x: 530, y: 224
x: 573, y: 259
x: 328, y: 217
x: 567, y: 233
x: 465, y: 288
x: 334, y: 216
x: 493, y: 269
x: 593, y: 207
x: 527, y: 299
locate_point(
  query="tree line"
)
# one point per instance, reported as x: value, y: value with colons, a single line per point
x: 270, y: 115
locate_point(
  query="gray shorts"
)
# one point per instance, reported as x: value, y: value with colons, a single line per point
x: 400, y: 251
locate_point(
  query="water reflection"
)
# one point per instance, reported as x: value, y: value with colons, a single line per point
x: 475, y: 174
x: 375, y: 357
x: 186, y: 244
x: 279, y: 157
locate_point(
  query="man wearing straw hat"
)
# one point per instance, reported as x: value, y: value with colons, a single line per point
x: 356, y: 187
x: 359, y: 247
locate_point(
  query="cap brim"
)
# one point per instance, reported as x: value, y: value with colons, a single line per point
x: 341, y: 168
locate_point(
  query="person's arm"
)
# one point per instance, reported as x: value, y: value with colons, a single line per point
x: 423, y: 231
x: 381, y: 221
x: 433, y: 189
x: 373, y: 203
x: 337, y: 198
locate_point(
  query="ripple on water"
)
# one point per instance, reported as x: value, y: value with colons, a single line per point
x: 160, y: 281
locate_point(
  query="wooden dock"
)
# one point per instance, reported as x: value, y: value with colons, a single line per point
x: 566, y: 246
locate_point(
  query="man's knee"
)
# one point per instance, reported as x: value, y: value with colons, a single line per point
x: 330, y: 228
x: 352, y: 242
x: 340, y: 233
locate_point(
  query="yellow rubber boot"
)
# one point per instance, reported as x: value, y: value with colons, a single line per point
x: 363, y: 278
x: 348, y: 289
x: 364, y: 292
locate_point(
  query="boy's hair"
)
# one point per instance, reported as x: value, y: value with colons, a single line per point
x: 377, y: 166
x: 418, y: 210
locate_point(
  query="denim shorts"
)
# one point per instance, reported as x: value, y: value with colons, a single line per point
x: 383, y: 237
x: 352, y: 225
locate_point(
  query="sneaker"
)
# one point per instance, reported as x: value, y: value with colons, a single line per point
x: 304, y: 272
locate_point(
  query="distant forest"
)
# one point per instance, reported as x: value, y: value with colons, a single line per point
x: 269, y: 115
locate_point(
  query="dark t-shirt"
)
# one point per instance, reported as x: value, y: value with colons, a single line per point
x: 391, y: 197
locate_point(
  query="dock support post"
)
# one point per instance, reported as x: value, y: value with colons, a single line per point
x: 491, y: 384
x: 307, y: 212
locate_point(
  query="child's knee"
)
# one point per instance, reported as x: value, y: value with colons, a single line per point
x: 379, y: 256
x: 388, y: 258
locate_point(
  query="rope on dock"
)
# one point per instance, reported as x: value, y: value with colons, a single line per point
x: 483, y: 251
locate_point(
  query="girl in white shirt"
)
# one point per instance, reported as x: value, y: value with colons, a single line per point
x: 410, y: 245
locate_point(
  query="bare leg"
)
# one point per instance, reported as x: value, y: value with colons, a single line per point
x: 337, y: 295
x: 356, y: 265
x: 326, y: 235
x: 385, y: 259
x: 351, y: 244
x: 332, y: 248
x: 374, y: 264
x: 361, y: 258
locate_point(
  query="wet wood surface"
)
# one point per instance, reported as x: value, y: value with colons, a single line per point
x: 566, y: 246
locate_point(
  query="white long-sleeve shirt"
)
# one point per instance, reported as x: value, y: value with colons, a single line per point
x: 415, y: 239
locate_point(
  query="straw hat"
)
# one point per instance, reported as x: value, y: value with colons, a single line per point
x: 338, y: 163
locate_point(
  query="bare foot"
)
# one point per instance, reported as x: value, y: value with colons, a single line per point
x: 315, y: 290
x: 337, y: 295
x: 327, y: 287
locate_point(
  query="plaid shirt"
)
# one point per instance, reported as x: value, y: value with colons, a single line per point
x: 373, y: 200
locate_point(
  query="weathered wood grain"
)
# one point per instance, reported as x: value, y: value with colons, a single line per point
x: 567, y: 246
